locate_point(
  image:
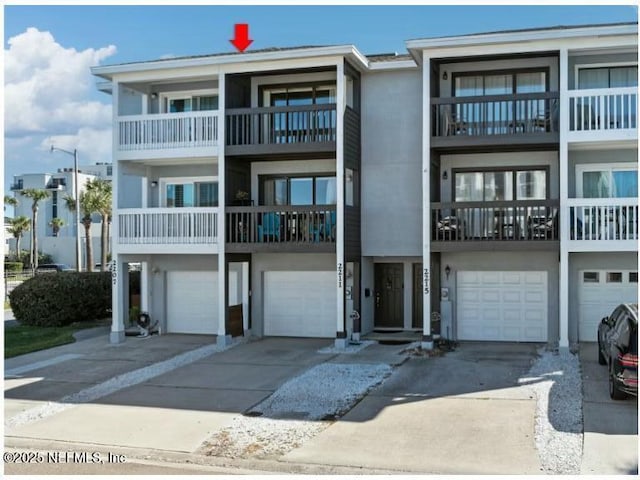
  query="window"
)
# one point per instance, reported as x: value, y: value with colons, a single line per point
x: 608, y: 77
x: 187, y: 102
x: 607, y: 181
x: 591, y: 277
x: 499, y: 185
x: 614, y: 277
x: 308, y: 190
x: 180, y: 194
x: 633, y: 277
x: 300, y: 95
x: 480, y: 84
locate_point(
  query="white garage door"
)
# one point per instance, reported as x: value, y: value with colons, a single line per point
x: 300, y: 304
x: 192, y: 302
x: 600, y: 291
x: 502, y: 306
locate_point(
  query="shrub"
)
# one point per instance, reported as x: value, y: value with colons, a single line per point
x: 13, y: 266
x: 58, y: 299
x: 42, y: 257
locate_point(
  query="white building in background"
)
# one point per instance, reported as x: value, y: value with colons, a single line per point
x: 59, y: 185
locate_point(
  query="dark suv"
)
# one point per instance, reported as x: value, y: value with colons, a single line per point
x: 618, y: 349
x: 53, y: 267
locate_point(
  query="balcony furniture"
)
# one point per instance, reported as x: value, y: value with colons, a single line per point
x: 269, y: 229
x: 506, y: 225
x: 450, y: 228
x: 453, y: 125
x: 542, y: 226
x: 325, y: 229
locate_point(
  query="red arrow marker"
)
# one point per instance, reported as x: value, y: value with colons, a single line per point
x: 241, y: 40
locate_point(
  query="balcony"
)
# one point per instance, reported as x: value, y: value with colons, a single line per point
x: 281, y: 130
x: 290, y: 228
x: 168, y: 134
x: 603, y: 114
x: 18, y: 185
x: 168, y: 230
x: 603, y: 224
x: 517, y: 119
x: 501, y: 225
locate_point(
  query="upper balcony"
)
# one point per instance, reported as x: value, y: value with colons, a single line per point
x: 167, y: 230
x: 603, y: 114
x: 519, y: 119
x: 603, y: 224
x: 281, y: 130
x: 165, y: 135
x: 496, y: 225
x: 282, y: 228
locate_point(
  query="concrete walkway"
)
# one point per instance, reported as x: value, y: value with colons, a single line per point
x: 610, y: 426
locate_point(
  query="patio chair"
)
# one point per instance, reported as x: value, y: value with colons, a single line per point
x: 270, y: 227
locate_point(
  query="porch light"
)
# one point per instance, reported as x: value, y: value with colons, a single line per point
x: 154, y: 184
x: 445, y: 176
x: 445, y: 76
x: 447, y: 271
x: 154, y: 95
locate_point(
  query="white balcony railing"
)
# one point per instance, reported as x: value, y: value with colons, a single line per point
x: 603, y: 109
x: 168, y: 226
x: 597, y: 219
x: 168, y: 130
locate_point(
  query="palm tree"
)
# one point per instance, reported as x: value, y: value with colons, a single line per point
x: 56, y: 223
x: 9, y: 200
x: 36, y: 195
x: 100, y: 190
x: 19, y: 225
x: 87, y: 208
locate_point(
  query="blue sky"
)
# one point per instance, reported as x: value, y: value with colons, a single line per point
x: 67, y: 109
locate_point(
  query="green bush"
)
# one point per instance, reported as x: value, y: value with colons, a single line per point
x: 42, y: 257
x: 13, y: 266
x: 57, y: 299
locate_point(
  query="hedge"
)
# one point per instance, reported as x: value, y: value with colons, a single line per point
x: 61, y: 298
x: 13, y: 266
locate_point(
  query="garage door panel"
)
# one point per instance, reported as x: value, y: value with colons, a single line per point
x: 598, y: 299
x: 192, y: 302
x: 512, y: 306
x: 300, y: 304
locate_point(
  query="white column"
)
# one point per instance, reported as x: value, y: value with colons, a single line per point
x: 563, y: 307
x: 144, y: 286
x: 223, y: 338
x: 427, y: 340
x: 341, y: 334
x: 118, y: 283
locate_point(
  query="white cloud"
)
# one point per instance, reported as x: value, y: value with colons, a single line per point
x: 47, y: 86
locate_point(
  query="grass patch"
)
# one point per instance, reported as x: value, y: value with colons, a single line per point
x: 23, y: 339
x: 7, y: 305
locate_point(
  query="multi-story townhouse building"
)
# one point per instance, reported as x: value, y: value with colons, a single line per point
x: 60, y: 244
x: 481, y: 187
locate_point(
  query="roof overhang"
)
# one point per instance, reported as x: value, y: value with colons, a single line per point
x: 518, y: 39
x: 358, y: 60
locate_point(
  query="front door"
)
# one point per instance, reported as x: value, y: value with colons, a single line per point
x: 417, y: 296
x: 389, y: 295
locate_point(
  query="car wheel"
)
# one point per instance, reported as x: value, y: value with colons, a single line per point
x: 601, y: 359
x: 614, y: 391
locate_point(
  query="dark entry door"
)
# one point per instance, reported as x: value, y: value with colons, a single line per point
x: 389, y: 295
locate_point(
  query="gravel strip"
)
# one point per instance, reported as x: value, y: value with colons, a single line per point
x: 351, y: 348
x: 555, y: 380
x: 294, y: 412
x: 112, y: 385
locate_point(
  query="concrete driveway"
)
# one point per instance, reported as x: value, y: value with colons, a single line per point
x: 458, y: 414
x: 610, y: 426
x: 464, y: 412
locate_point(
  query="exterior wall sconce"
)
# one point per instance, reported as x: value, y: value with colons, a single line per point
x: 154, y: 95
x: 154, y: 184
x: 445, y: 76
x: 447, y: 271
x: 445, y: 176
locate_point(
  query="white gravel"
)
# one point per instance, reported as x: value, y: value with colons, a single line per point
x: 555, y: 380
x: 350, y: 348
x: 112, y: 385
x: 293, y: 413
